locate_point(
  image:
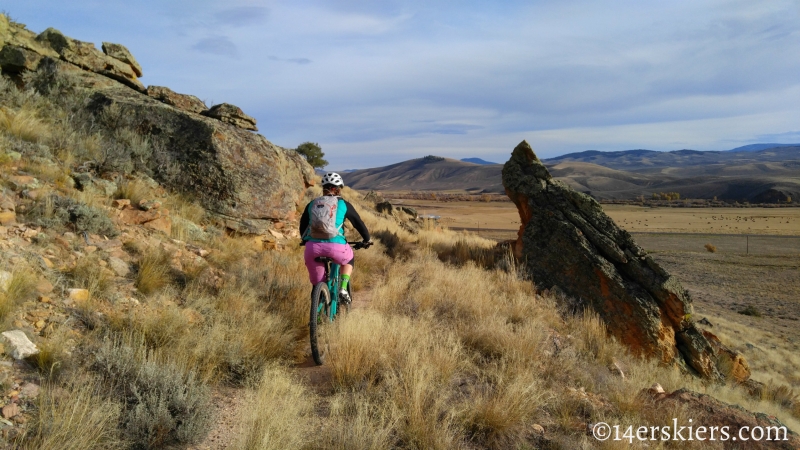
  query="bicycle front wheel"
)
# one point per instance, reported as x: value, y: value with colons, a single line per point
x: 320, y: 322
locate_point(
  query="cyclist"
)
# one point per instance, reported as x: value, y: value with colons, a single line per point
x: 322, y: 230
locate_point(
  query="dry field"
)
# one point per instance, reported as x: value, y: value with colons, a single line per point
x: 500, y: 220
x: 756, y: 264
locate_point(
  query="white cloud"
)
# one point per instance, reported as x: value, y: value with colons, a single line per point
x: 379, y: 81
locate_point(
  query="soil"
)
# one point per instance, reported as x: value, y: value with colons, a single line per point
x: 724, y: 284
x: 229, y: 402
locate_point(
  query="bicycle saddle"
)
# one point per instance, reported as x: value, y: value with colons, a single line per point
x: 322, y: 259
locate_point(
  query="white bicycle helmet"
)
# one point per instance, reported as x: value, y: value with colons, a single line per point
x: 333, y: 178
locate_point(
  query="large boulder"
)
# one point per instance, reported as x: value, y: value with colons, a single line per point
x: 567, y: 242
x: 246, y: 180
x: 17, y: 59
x: 233, y: 115
x: 121, y: 53
x: 181, y: 101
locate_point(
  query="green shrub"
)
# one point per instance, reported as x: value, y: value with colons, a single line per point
x: 164, y: 404
x: 750, y: 310
x: 58, y: 212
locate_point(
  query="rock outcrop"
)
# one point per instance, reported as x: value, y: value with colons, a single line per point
x: 735, y: 426
x: 250, y: 183
x: 121, y: 53
x: 87, y: 57
x: 567, y: 242
x: 183, y: 102
x: 233, y: 115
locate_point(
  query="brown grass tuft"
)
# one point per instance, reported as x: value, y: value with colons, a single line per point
x: 153, y: 271
x: 89, y: 274
x: 21, y: 286
x: 134, y: 190
x: 76, y: 417
x: 23, y: 124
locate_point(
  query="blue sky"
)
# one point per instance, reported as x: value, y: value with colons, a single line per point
x: 380, y: 82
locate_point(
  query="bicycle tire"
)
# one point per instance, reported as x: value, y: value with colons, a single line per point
x: 320, y: 304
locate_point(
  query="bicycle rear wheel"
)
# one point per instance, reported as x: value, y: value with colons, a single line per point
x: 319, y: 322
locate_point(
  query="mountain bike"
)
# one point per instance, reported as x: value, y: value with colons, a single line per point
x: 325, y: 305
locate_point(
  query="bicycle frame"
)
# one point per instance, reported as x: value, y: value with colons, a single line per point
x: 332, y: 278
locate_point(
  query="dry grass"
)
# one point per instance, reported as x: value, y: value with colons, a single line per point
x: 371, y: 424
x: 153, y: 271
x: 20, y: 286
x: 134, y: 190
x: 51, y: 360
x: 227, y: 250
x: 89, y: 274
x: 184, y: 207
x: 499, y: 413
x: 58, y: 175
x: 278, y: 416
x: 23, y: 124
x: 710, y: 248
x: 77, y: 417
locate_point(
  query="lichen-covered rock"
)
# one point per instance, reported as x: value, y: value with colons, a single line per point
x: 181, y: 101
x: 121, y: 53
x: 16, y: 34
x: 247, y: 181
x: 17, y: 59
x: 87, y: 57
x: 233, y: 115
x: 567, y: 241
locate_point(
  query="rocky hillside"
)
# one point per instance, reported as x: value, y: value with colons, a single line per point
x: 210, y: 153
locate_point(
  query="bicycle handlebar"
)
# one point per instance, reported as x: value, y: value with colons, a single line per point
x: 361, y: 244
x: 356, y: 245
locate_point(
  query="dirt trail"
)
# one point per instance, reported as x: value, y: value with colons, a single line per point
x: 319, y: 378
x: 229, y: 403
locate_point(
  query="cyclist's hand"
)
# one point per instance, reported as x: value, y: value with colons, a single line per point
x: 365, y: 244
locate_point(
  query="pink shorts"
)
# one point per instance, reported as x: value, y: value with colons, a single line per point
x: 340, y: 253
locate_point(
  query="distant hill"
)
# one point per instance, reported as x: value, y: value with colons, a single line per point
x: 757, y: 176
x: 757, y: 147
x: 639, y: 160
x: 430, y: 173
x: 477, y: 161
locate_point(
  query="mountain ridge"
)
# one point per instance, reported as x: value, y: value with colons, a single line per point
x: 769, y: 175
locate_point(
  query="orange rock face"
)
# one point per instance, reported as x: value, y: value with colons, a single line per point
x: 567, y: 242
